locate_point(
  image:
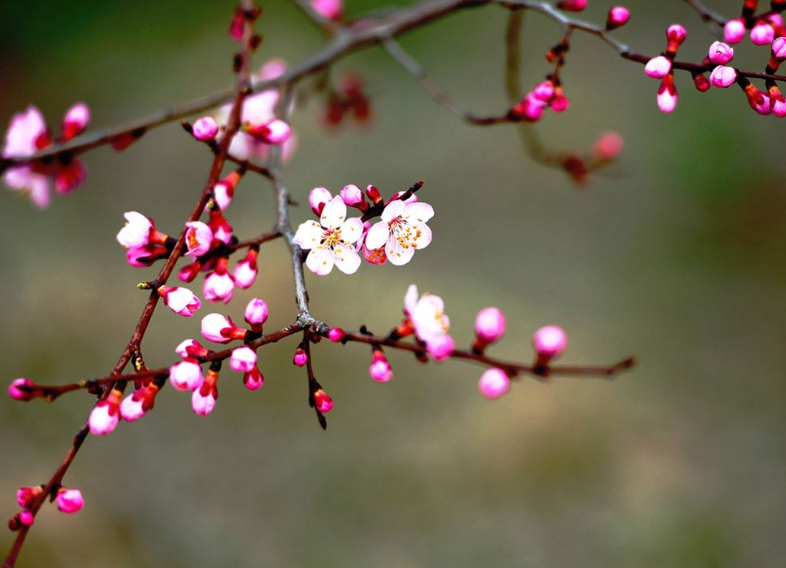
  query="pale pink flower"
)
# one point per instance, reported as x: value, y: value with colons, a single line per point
x: 401, y: 231
x: 256, y: 313
x: 330, y: 9
x: 721, y: 53
x: 203, y: 404
x: 723, y: 76
x: 427, y: 315
x: 186, y: 376
x: 243, y: 359
x: 69, y: 500
x: 190, y: 348
x: 494, y: 383
x: 219, y: 287
x: 221, y: 329
x: 199, y: 238
x: 734, y: 31
x: 182, y: 301
x: 318, y: 198
x: 137, y: 230
x: 658, y: 67
x: 105, y: 414
x: 133, y: 406
x: 205, y: 129
x: 667, y: 95
x: 330, y: 241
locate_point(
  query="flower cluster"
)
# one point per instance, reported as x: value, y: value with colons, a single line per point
x: 338, y: 241
x: 28, y: 134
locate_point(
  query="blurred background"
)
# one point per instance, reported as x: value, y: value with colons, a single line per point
x: 674, y: 254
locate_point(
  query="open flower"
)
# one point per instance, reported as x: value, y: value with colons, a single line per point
x: 427, y: 317
x: 199, y: 238
x: 330, y: 241
x: 28, y: 134
x: 401, y: 231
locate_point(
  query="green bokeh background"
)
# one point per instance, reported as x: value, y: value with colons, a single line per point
x: 676, y: 255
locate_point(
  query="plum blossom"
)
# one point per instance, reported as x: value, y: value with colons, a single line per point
x: 182, y: 301
x: 69, y: 500
x: 426, y: 315
x: 105, y: 414
x: 28, y: 134
x: 199, y: 238
x: 401, y: 231
x: 494, y: 383
x: 330, y: 241
x: 186, y: 376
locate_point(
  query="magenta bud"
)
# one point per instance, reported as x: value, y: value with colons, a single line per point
x: 440, y: 347
x: 253, y: 379
x: 490, y: 324
x: 352, y: 195
x: 336, y: 334
x: 69, y: 500
x: 762, y: 33
x: 318, y: 198
x: 300, y: 357
x: 26, y: 518
x: 205, y: 129
x: 256, y: 312
x: 734, y: 31
x: 322, y: 401
x: 721, y: 53
x: 494, y: 383
x: 380, y: 369
x: 550, y: 341
x: 618, y: 16
x: 21, y: 389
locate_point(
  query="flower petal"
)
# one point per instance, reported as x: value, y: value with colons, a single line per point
x: 320, y: 261
x: 397, y: 254
x: 377, y: 236
x: 347, y: 259
x: 416, y: 213
x: 393, y: 210
x: 309, y: 235
x: 334, y: 213
x: 411, y: 299
x: 421, y: 236
x: 351, y: 230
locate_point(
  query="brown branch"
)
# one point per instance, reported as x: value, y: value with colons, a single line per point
x: 134, y: 344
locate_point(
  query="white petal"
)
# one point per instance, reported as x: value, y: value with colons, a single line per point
x: 347, y: 259
x: 393, y: 210
x: 377, y: 236
x: 421, y: 236
x: 334, y: 213
x: 320, y: 261
x: 397, y: 254
x: 309, y: 235
x: 411, y: 299
x: 351, y: 230
x: 416, y: 213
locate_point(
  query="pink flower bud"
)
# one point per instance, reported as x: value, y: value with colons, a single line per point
x: 330, y: 9
x: 676, y: 35
x: 26, y: 518
x: 380, y: 369
x: 559, y: 103
x: 133, y: 408
x: 779, y: 49
x: 253, y: 379
x: 723, y: 76
x: 336, y: 334
x: 203, y: 403
x: 105, y: 414
x: 618, y: 17
x: 550, y: 341
x: 272, y: 132
x: 721, y: 53
x: 758, y: 101
x: 373, y: 194
x: 205, y: 129
x: 221, y: 228
x: 69, y: 500
x: 189, y: 348
x: 75, y: 121
x: 237, y: 24
x: 658, y: 67
x: 352, y: 195
x: 734, y: 31
x: 243, y: 359
x: 26, y: 495
x: 667, y: 95
x: 182, y: 301
x: 530, y: 108
x: 199, y: 238
x: 762, y: 33
x: 322, y: 401
x: 189, y: 272
x: 572, y: 5
x: 220, y: 329
x: 494, y: 383
x: 440, y: 347
x: 608, y: 146
x: 219, y: 288
x: 21, y: 389
x: 145, y: 256
x: 246, y: 270
x: 186, y: 376
x: 490, y: 324
x: 318, y: 198
x: 777, y: 102
x: 224, y: 190
x: 137, y: 230
x: 300, y: 358
x: 256, y: 313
